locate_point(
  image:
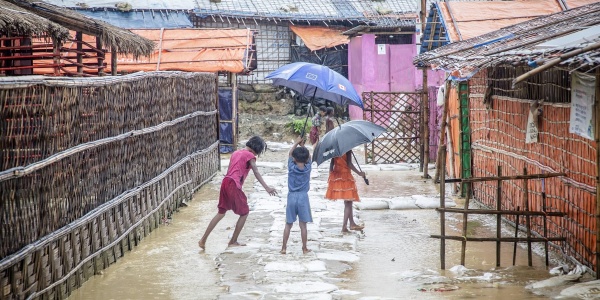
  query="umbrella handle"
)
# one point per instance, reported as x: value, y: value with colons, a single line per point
x: 310, y: 105
x: 358, y: 165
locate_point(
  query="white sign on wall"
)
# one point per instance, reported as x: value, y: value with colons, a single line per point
x: 532, y: 133
x: 380, y: 49
x: 582, y: 105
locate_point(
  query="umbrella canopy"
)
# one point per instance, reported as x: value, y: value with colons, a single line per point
x: 312, y: 80
x: 345, y: 137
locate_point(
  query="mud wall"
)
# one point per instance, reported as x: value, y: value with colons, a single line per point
x: 90, y: 166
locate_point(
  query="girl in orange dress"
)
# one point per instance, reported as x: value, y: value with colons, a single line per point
x: 341, y: 186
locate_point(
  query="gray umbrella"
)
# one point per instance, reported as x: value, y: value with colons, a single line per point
x: 345, y: 137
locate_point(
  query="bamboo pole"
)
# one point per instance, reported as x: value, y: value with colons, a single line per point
x: 503, y: 212
x: 234, y: 110
x: 597, y: 133
x: 463, y: 247
x: 79, y: 38
x: 498, y: 217
x: 100, y: 57
x: 545, y: 219
x: 527, y: 219
x: 436, y: 177
x: 551, y: 63
x: 516, y: 236
x: 515, y: 177
x: 113, y: 61
x: 442, y: 212
x: 425, y: 100
x: 493, y: 239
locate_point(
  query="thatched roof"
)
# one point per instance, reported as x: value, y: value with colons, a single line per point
x: 522, y: 44
x: 16, y: 20
x: 112, y: 37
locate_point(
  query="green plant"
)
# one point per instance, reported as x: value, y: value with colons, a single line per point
x: 296, y: 125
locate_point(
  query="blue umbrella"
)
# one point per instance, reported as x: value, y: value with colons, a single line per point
x: 312, y: 80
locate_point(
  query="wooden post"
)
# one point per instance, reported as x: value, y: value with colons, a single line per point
x: 423, y: 166
x: 234, y: 110
x: 79, y: 39
x: 463, y: 248
x: 56, y: 58
x: 545, y: 220
x: 527, y: 218
x: 436, y: 177
x: 113, y: 61
x: 218, y: 116
x: 425, y: 100
x: 597, y: 134
x: 499, y: 216
x: 442, y: 213
x: 100, y: 56
x: 516, y: 236
x: 372, y: 121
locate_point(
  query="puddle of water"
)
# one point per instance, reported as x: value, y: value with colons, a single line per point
x: 400, y: 261
x: 167, y: 264
x: 395, y: 258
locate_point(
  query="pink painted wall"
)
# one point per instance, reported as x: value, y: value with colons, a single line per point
x: 392, y: 71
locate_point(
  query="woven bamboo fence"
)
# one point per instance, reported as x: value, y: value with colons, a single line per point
x: 91, y: 166
x: 498, y: 139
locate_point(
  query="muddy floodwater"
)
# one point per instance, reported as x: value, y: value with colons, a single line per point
x: 393, y: 258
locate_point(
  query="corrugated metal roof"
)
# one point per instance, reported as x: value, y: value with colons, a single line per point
x: 141, y: 19
x: 135, y: 4
x: 517, y: 45
x: 390, y: 11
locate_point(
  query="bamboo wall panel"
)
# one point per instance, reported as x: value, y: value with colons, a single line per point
x: 454, y: 160
x: 91, y: 166
x: 498, y: 135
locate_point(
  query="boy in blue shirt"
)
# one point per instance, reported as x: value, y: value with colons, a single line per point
x: 297, y: 200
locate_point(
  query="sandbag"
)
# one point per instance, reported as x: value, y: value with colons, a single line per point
x: 401, y: 203
x: 368, y: 204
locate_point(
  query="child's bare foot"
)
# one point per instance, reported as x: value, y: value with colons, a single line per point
x: 282, y: 251
x: 201, y: 244
x: 236, y: 244
x: 345, y: 230
x: 306, y: 250
x: 357, y: 227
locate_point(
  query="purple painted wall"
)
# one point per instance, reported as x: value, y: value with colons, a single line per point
x: 384, y: 70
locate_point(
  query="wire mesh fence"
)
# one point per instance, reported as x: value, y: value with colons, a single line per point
x: 400, y: 114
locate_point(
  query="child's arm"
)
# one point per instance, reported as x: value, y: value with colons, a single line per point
x: 269, y: 189
x: 299, y: 141
x: 351, y: 165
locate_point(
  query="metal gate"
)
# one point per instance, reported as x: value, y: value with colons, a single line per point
x: 400, y: 114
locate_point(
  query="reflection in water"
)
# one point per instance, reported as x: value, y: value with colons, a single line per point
x: 397, y: 258
x: 167, y: 264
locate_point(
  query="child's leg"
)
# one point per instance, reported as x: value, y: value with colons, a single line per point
x: 353, y: 225
x: 286, y: 236
x: 215, y: 220
x: 304, y: 235
x: 236, y: 232
x: 347, y: 214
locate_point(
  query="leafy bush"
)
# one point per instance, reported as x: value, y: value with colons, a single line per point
x: 296, y: 126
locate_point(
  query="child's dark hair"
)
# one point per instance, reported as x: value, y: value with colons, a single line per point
x: 257, y: 144
x: 323, y: 108
x: 330, y: 111
x: 300, y: 154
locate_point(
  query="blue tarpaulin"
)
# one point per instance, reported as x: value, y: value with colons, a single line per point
x: 226, y: 117
x: 141, y: 19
